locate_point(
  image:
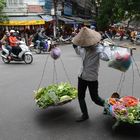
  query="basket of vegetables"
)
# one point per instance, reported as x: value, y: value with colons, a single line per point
x: 55, y: 94
x: 124, y: 109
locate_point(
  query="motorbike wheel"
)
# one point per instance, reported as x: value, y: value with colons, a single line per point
x: 28, y: 58
x: 38, y: 51
x: 7, y: 61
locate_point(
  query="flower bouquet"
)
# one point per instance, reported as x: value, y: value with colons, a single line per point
x: 125, y: 109
x: 55, y: 94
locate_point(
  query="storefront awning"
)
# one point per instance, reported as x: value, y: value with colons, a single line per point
x: 77, y: 19
x: 81, y: 20
x: 47, y: 18
x: 23, y: 20
x: 66, y: 20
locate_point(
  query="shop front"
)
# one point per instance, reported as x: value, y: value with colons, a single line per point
x: 26, y: 25
x: 22, y: 23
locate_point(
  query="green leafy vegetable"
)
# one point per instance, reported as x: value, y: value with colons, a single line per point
x: 55, y: 94
x: 65, y: 98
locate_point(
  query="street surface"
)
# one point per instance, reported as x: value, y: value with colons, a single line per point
x: 21, y: 119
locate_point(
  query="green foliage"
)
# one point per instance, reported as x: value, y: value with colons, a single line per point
x: 112, y: 11
x: 2, y: 5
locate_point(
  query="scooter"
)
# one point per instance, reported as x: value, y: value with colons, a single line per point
x: 25, y: 55
x: 43, y: 46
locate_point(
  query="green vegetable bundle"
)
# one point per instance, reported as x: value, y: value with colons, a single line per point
x: 55, y: 94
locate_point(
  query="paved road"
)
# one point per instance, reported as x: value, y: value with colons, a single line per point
x: 21, y: 119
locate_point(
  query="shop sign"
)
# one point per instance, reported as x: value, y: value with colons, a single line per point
x: 24, y: 22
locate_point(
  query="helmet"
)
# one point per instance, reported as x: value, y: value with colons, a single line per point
x: 12, y: 31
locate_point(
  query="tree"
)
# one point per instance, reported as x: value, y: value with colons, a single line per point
x: 113, y: 11
x: 129, y: 9
x: 2, y: 5
x: 105, y: 16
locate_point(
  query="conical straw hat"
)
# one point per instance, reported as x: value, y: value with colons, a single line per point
x: 86, y: 37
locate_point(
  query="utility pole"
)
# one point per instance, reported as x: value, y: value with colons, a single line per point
x: 85, y: 12
x: 55, y: 18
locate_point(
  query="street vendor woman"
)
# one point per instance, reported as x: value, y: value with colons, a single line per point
x: 86, y: 44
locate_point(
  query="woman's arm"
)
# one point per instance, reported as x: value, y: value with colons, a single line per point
x: 77, y: 49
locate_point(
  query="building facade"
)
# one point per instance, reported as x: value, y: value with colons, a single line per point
x: 15, y: 7
x: 20, y: 7
x: 39, y: 12
x: 81, y: 8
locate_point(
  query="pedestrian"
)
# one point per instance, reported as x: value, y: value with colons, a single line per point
x: 86, y: 44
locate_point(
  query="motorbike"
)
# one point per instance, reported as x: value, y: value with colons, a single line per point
x: 42, y: 46
x: 137, y: 40
x: 107, y: 42
x: 67, y: 39
x: 25, y: 54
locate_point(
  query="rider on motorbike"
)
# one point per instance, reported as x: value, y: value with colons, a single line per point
x: 13, y: 41
x: 5, y: 41
x: 40, y: 37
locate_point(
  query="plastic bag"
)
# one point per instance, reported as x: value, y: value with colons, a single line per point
x: 120, y: 58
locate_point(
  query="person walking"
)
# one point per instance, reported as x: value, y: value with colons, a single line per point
x: 86, y: 44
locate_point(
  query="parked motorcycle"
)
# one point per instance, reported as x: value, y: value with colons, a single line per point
x: 107, y: 42
x: 67, y: 39
x: 137, y: 40
x: 25, y: 55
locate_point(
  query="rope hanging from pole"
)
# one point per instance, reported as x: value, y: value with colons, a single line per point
x: 65, y: 71
x: 44, y: 68
x: 133, y: 79
x: 54, y: 73
x: 120, y: 84
x: 54, y: 76
x: 136, y: 66
x: 133, y: 75
x: 57, y: 93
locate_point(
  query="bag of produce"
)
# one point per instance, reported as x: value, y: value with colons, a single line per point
x: 55, y: 53
x: 120, y: 58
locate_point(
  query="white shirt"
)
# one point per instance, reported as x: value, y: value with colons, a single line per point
x: 90, y: 61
